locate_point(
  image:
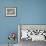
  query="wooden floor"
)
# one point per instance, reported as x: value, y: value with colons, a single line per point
x: 30, y: 43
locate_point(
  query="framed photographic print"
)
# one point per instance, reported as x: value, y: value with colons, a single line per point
x: 32, y: 32
x: 10, y: 11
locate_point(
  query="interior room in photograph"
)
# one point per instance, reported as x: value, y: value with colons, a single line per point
x: 32, y: 32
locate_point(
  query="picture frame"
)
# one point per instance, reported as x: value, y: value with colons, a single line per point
x: 36, y: 32
x: 10, y: 11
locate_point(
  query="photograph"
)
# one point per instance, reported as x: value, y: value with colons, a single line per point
x: 10, y: 11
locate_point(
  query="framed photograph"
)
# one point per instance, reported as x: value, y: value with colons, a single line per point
x: 10, y: 11
x: 31, y: 32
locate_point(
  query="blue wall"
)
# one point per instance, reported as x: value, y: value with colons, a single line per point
x: 28, y: 12
x: 8, y: 24
x: 33, y: 12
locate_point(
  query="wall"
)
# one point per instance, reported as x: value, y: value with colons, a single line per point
x: 33, y: 27
x: 33, y: 12
x: 28, y: 12
x: 8, y: 24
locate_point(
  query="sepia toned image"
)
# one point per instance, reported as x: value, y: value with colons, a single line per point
x: 28, y: 35
x: 10, y: 11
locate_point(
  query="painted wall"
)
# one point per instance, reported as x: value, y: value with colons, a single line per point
x: 28, y: 12
x: 33, y: 12
x: 8, y: 24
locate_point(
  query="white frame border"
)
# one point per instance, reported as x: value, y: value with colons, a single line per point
x: 18, y: 33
